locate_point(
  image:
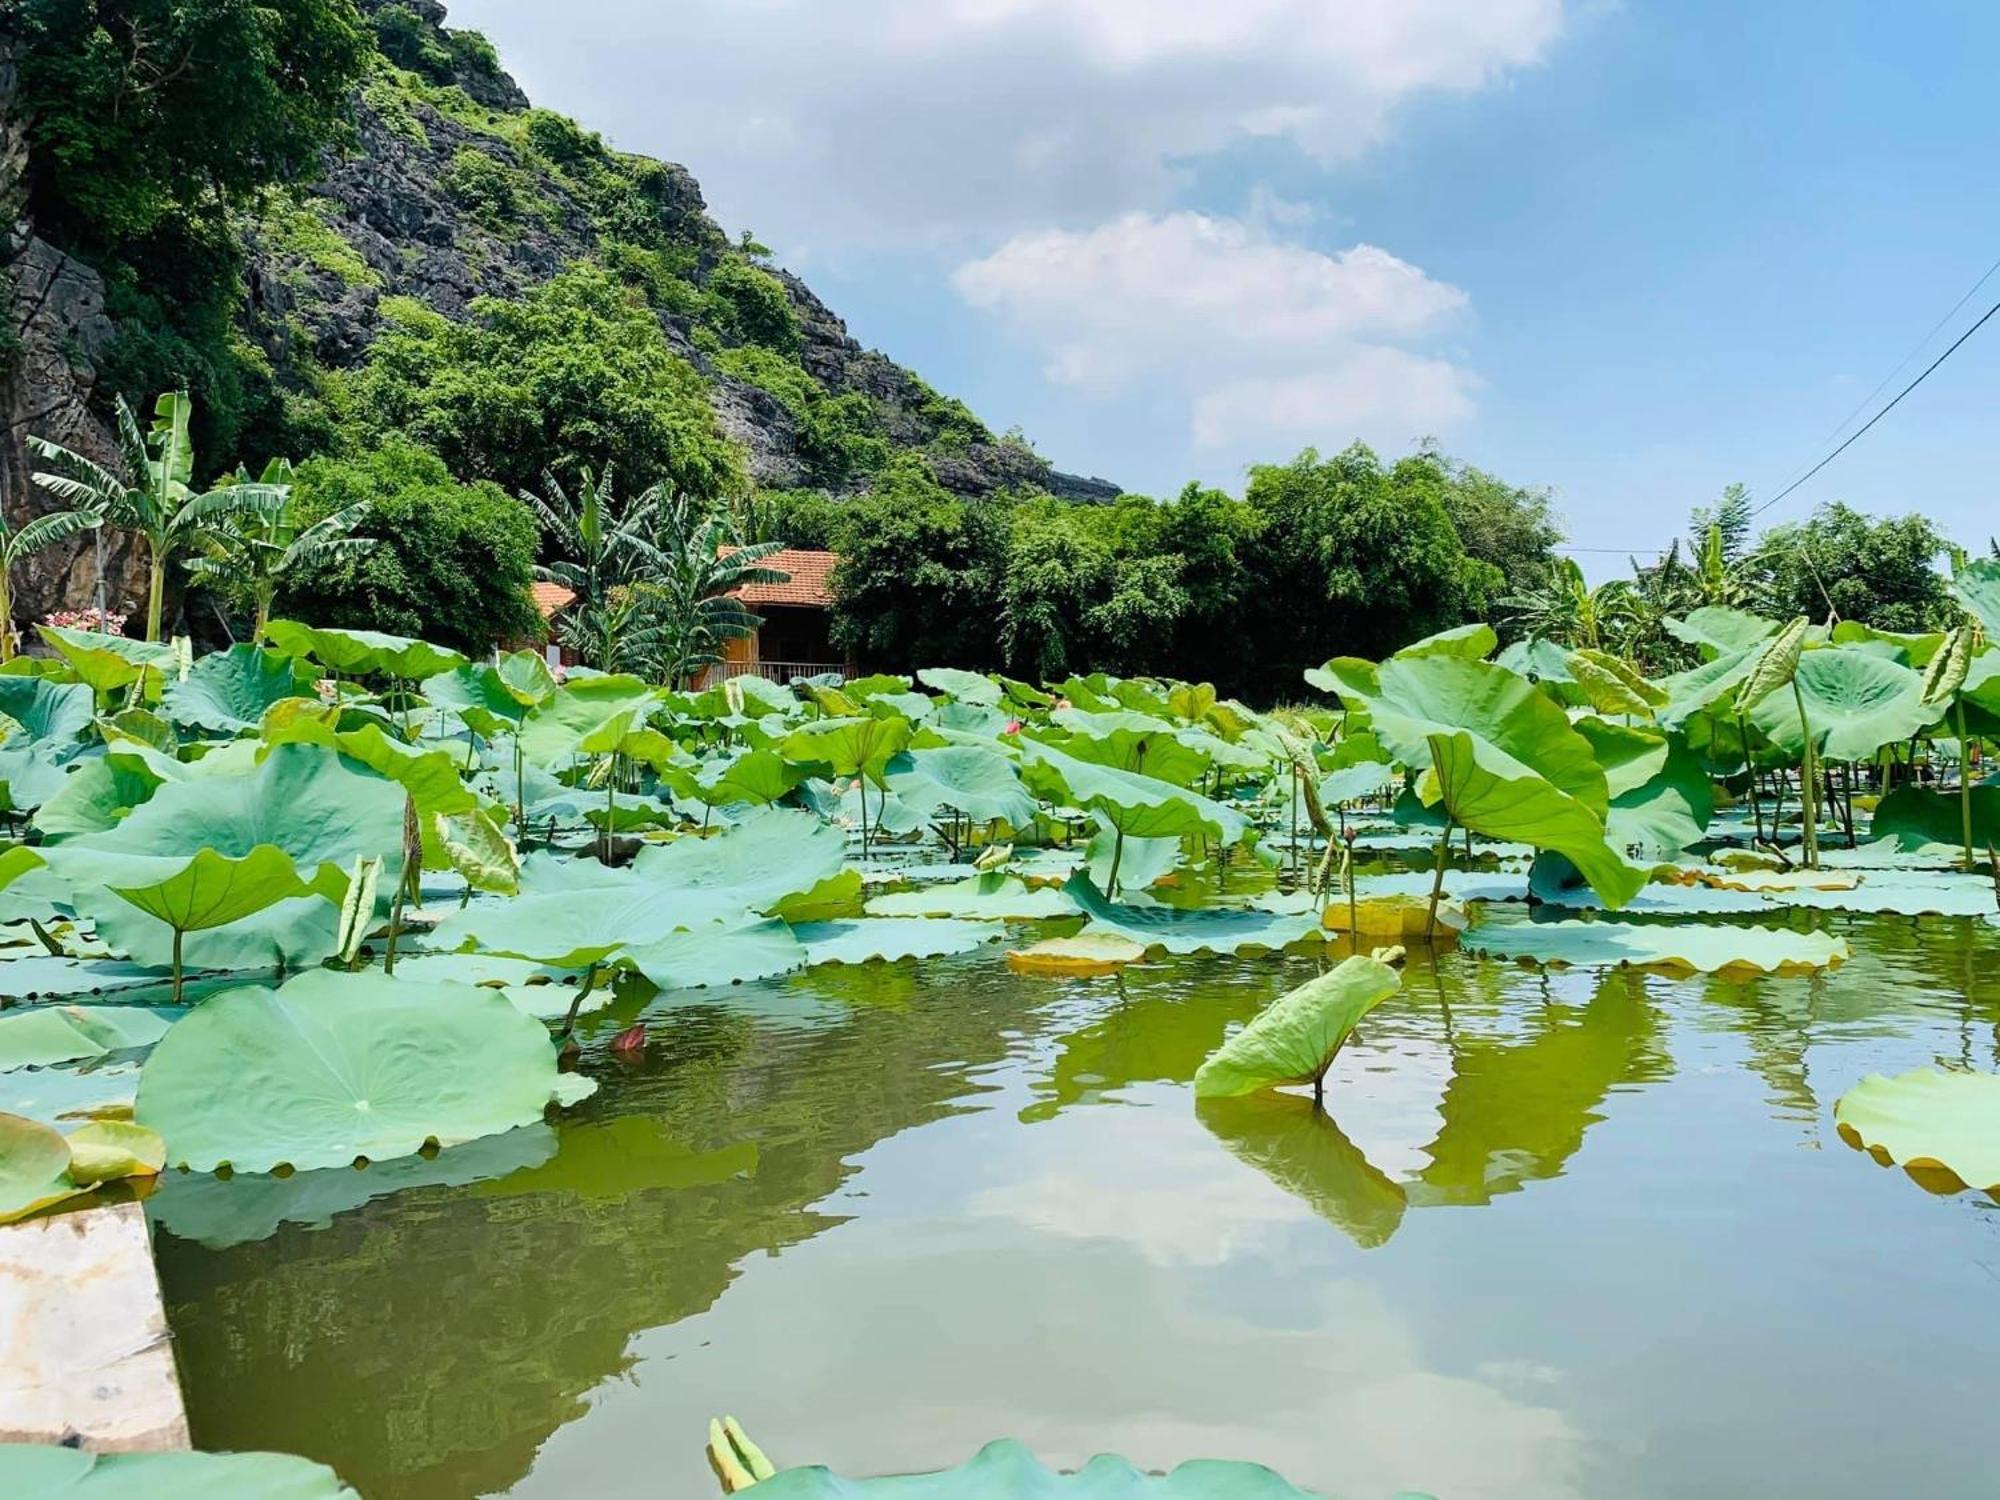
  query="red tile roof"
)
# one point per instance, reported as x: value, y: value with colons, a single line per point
x: 809, y: 588
x: 550, y: 598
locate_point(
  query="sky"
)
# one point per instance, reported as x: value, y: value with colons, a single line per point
x: 1629, y: 250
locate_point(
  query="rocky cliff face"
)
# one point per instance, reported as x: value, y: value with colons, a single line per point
x: 54, y: 332
x: 452, y: 189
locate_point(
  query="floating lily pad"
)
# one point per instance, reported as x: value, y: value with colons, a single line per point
x: 34, y: 1168
x: 998, y: 896
x: 1086, y: 953
x: 893, y: 938
x: 1928, y: 1118
x: 47, y: 1035
x: 334, y: 1066
x: 720, y: 953
x: 1183, y: 930
x: 1675, y: 948
x: 1006, y: 1469
x: 30, y: 1472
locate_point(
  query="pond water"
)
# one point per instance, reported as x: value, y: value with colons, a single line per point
x: 1566, y: 1235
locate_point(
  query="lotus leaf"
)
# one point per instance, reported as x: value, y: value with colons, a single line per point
x: 966, y: 687
x: 980, y: 783
x: 213, y: 890
x: 1612, y: 685
x: 1128, y: 740
x: 1673, y: 948
x: 1721, y: 631
x: 717, y: 954
x: 1855, y: 702
x: 57, y: 1473
x: 1703, y: 687
x: 1101, y: 953
x: 1472, y: 642
x: 107, y: 663
x: 857, y: 746
x: 586, y: 716
x: 29, y: 777
x: 34, y: 1169
x: 753, y: 776
x: 1136, y: 805
x: 1181, y: 930
x: 1909, y: 650
x: 52, y: 714
x: 892, y: 938
x: 994, y: 895
x: 99, y: 792
x: 360, y: 652
x: 1916, y: 817
x: 1928, y: 1118
x: 1978, y: 589
x: 48, y: 1035
x: 106, y: 1150
x: 335, y: 1066
x: 1004, y: 1470
x: 1293, y: 1040
x: 230, y: 691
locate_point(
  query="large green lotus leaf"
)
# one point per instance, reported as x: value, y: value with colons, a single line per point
x: 1143, y: 806
x: 99, y: 792
x: 768, y: 854
x: 1004, y: 1470
x: 717, y: 954
x: 213, y: 890
x: 51, y: 1034
x: 912, y: 706
x: 53, y: 714
x: 218, y: 1212
x: 980, y: 783
x: 1544, y: 663
x: 1903, y: 893
x: 1673, y: 947
x: 1293, y: 1040
x: 336, y: 1066
x: 106, y: 1150
x: 1612, y: 685
x: 1488, y: 791
x: 1706, y: 686
x: 966, y: 687
x: 496, y: 695
x: 358, y: 652
x: 1915, y: 817
x: 1514, y: 723
x: 56, y: 1473
x: 588, y: 923
x: 1907, y: 649
x: 321, y: 810
x: 994, y: 895
x: 1630, y: 755
x: 1721, y: 631
x: 1666, y: 813
x: 1299, y: 1147
x: 428, y: 773
x: 17, y: 860
x: 586, y: 716
x: 893, y: 938
x: 1214, y: 750
x: 229, y: 692
x: 1929, y: 1118
x: 1141, y: 862
x: 1351, y: 783
x: 752, y: 776
x: 1175, y: 929
x: 1978, y: 589
x: 107, y: 663
x: 29, y: 776
x: 1472, y: 642
x: 1856, y: 702
x: 857, y: 746
x: 1128, y: 740
x: 34, y: 1173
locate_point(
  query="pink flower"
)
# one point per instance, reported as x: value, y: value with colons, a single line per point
x: 1013, y: 726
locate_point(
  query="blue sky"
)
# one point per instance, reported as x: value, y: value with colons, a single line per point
x: 1629, y: 251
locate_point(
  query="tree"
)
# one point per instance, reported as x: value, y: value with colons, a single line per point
x: 576, y: 374
x: 702, y: 561
x: 1731, y: 517
x: 606, y: 547
x: 43, y: 531
x: 921, y: 571
x: 1512, y: 528
x: 259, y: 552
x: 1568, y: 611
x: 1845, y: 565
x: 1355, y: 559
x: 160, y: 503
x: 451, y: 563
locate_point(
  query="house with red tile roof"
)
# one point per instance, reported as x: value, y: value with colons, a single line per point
x: 796, y: 637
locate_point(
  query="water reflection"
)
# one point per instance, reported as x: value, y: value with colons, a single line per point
x: 1300, y: 1148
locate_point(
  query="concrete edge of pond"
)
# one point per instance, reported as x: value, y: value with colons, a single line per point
x: 85, y: 1356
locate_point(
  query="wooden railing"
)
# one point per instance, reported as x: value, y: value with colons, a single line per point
x: 780, y: 671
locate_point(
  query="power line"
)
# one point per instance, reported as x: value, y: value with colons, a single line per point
x: 1863, y: 429
x: 1915, y: 350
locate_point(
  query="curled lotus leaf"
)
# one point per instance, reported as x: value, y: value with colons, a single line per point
x: 1295, y: 1038
x: 34, y: 1168
x: 107, y: 663
x: 1928, y: 1118
x: 1978, y: 589
x: 54, y: 715
x: 1776, y: 662
x: 332, y: 1066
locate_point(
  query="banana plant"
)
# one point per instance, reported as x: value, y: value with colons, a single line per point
x: 257, y: 550
x: 15, y: 546
x: 160, y: 502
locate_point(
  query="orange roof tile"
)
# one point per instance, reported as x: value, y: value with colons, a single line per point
x: 810, y: 586
x: 550, y: 598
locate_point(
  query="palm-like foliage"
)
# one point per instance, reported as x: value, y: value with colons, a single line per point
x: 160, y: 502
x: 255, y: 551
x: 605, y: 550
x: 1566, y: 609
x: 702, y: 563
x: 43, y: 531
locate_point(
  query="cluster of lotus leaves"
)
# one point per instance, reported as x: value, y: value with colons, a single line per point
x: 1004, y: 1468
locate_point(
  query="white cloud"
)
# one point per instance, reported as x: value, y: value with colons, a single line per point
x: 826, y: 124
x: 1258, y: 336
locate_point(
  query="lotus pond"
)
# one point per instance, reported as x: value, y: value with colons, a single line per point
x: 1523, y: 1077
